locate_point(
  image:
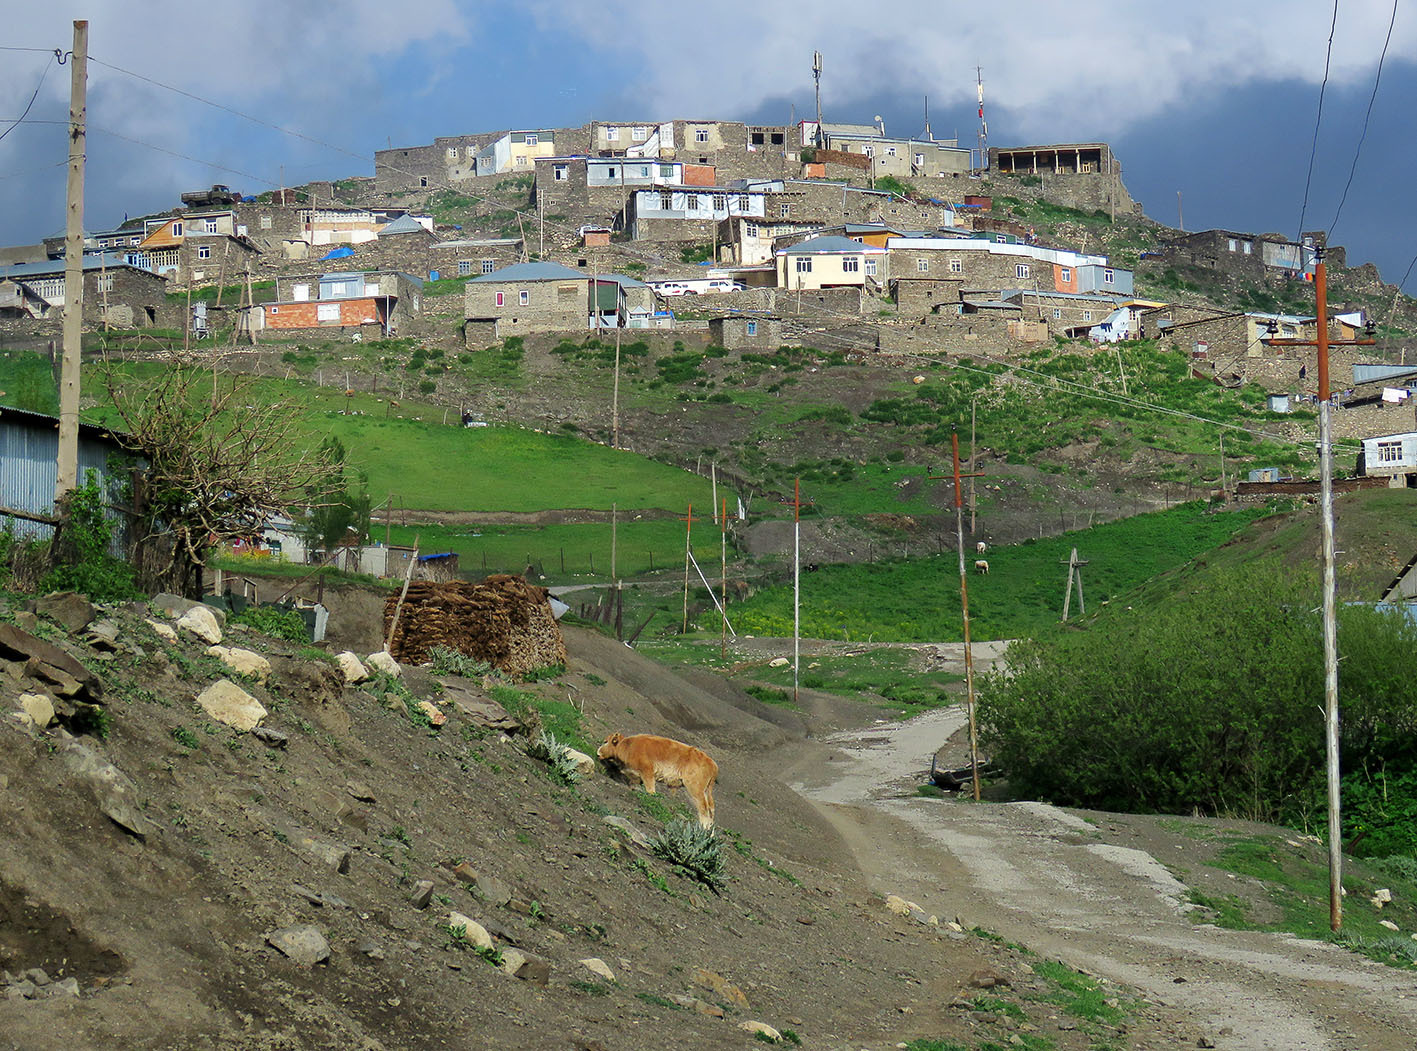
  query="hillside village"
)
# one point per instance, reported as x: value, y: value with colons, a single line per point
x: 748, y: 237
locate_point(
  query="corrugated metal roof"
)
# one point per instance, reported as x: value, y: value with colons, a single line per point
x: 404, y: 224
x: 831, y: 245
x: 55, y: 267
x: 531, y: 272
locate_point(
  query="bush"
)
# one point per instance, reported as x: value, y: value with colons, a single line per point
x: 83, y: 549
x: 694, y: 851
x: 275, y: 621
x: 1212, y: 702
x: 557, y: 756
x: 448, y: 661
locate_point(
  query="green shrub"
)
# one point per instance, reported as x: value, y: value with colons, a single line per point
x: 694, y: 851
x: 83, y: 549
x: 448, y: 661
x: 275, y: 621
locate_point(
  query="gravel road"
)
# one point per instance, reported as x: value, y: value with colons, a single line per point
x: 1063, y: 886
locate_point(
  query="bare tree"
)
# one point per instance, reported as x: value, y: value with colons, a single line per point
x: 215, y: 465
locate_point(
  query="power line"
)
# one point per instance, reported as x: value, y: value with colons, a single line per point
x: 1318, y: 119
x: 34, y: 95
x: 1377, y: 79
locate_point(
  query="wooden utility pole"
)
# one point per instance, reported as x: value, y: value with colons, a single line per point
x: 1330, y: 589
x: 964, y: 610
x: 1074, y: 565
x: 723, y: 577
x: 796, y: 584
x: 615, y: 396
x: 67, y: 467
x: 688, y: 535
x: 103, y: 284
x: 1222, y: 464
x: 251, y: 307
x: 973, y: 507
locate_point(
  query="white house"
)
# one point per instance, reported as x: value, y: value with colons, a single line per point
x: 1393, y: 456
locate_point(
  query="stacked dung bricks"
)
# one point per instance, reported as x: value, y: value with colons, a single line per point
x: 504, y: 621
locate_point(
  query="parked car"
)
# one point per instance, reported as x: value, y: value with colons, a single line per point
x: 722, y: 284
x: 674, y: 288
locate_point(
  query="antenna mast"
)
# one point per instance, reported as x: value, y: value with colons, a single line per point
x: 928, y: 136
x: 817, y: 77
x: 983, y: 127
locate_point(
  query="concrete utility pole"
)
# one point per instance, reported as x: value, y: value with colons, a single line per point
x: 1330, y: 587
x: 817, y: 77
x: 67, y: 468
x: 983, y: 127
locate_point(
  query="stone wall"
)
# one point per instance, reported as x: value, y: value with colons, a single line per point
x: 551, y: 306
x: 977, y: 269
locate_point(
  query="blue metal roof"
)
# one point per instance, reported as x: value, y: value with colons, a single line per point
x: 531, y: 272
x: 829, y: 246
x: 55, y: 267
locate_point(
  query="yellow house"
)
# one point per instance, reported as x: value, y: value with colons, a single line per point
x: 831, y: 262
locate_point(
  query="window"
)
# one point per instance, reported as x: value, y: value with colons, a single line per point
x: 452, y: 153
x: 1065, y: 275
x: 275, y: 310
x: 1087, y: 315
x: 757, y: 139
x: 750, y: 229
x: 1107, y: 276
x: 922, y: 266
x: 691, y: 202
x: 464, y: 267
x: 701, y: 134
x: 612, y: 134
x: 784, y: 210
x: 265, y: 223
x: 300, y: 293
x: 562, y: 172
x: 1389, y: 452
x: 523, y: 297
x: 644, y: 171
x: 105, y: 282
x: 532, y: 140
x: 488, y: 265
x: 870, y: 268
x: 326, y: 311
x: 850, y: 265
x: 666, y: 202
x: 639, y: 134
x: 720, y: 202
x: 956, y: 266
x: 890, y: 151
x: 869, y: 151
x: 521, y: 160
x: 1057, y: 314
x: 1246, y: 247
x: 210, y: 225
x: 920, y: 160
x: 1232, y: 244
x: 337, y: 288
x: 204, y: 251
x: 139, y: 240
x: 1021, y: 270
x: 612, y: 173
x: 1001, y: 239
x: 804, y: 264
x: 742, y: 202
x: 666, y: 171
x: 176, y: 229
x: 501, y: 299
x: 423, y: 180
x: 752, y: 328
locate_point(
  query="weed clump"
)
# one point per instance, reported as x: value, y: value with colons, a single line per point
x: 694, y: 851
x: 555, y: 755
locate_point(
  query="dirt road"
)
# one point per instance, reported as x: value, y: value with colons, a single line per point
x: 1070, y: 888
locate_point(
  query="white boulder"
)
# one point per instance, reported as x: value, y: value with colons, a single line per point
x: 384, y: 662
x: 352, y: 667
x: 228, y: 703
x: 201, y: 622
x: 243, y: 662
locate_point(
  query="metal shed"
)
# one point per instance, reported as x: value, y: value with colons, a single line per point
x: 29, y: 455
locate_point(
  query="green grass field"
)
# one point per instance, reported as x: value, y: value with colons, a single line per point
x: 918, y: 600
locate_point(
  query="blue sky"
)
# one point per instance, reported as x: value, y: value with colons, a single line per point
x: 1216, y: 99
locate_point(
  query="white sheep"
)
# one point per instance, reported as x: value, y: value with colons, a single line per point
x: 981, y: 547
x: 980, y: 566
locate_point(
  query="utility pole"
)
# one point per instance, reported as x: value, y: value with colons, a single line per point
x: 1074, y: 565
x: 1180, y: 215
x: 1330, y: 596
x: 964, y: 611
x: 796, y: 584
x: 723, y: 577
x: 67, y: 467
x: 1222, y: 464
x: 817, y: 77
x: 615, y: 396
x: 688, y: 535
x: 983, y: 127
x: 973, y: 404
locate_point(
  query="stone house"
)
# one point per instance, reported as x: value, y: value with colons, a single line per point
x: 985, y: 264
x: 746, y: 331
x: 445, y: 160
x: 1083, y: 175
x: 116, y: 290
x: 18, y: 300
x: 525, y: 298
x: 1067, y: 314
x: 689, y: 213
x: 190, y: 250
x: 467, y: 258
x: 902, y: 158
x: 832, y: 262
x: 1249, y: 255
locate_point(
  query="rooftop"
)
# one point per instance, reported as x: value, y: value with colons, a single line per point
x: 829, y: 246
x: 530, y: 272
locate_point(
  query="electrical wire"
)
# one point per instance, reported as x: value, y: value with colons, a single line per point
x: 34, y: 95
x: 1318, y: 119
x: 1377, y: 79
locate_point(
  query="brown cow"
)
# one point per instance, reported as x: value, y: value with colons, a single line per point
x: 652, y: 759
